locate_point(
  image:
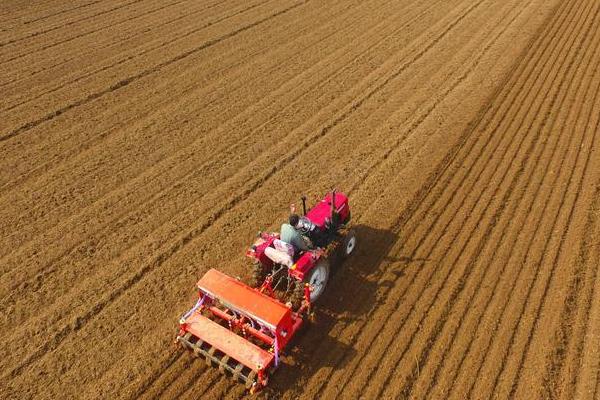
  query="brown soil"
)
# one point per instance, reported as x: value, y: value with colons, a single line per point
x: 145, y: 141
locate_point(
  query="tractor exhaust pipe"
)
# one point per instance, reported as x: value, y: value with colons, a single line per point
x: 304, y: 205
x: 333, y: 211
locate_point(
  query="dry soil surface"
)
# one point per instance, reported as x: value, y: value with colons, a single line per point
x: 145, y: 141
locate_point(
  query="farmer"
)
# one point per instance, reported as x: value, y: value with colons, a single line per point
x: 291, y: 233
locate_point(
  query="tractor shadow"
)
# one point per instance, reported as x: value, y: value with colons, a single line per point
x: 356, y: 287
x: 355, y: 284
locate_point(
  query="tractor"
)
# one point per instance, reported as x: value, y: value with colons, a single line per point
x: 242, y: 329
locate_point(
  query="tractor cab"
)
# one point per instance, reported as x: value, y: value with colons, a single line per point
x: 276, y: 266
x: 326, y: 217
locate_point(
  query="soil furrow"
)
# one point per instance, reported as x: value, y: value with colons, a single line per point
x: 57, y: 65
x: 470, y: 346
x: 130, y: 79
x: 67, y: 23
x: 569, y: 219
x: 184, y: 240
x: 112, y: 25
x: 444, y: 257
x: 128, y: 58
x: 518, y: 107
x: 176, y: 185
x: 495, y: 283
x: 581, y: 374
x: 349, y: 377
x: 529, y: 291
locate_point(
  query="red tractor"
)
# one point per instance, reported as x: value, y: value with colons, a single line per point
x: 242, y: 329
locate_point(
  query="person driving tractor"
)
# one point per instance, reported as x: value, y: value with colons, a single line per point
x: 291, y: 233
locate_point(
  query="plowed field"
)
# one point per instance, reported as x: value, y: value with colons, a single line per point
x: 145, y: 141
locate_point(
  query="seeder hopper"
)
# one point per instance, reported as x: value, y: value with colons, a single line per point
x: 243, y: 329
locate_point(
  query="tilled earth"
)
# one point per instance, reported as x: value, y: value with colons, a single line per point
x: 145, y: 141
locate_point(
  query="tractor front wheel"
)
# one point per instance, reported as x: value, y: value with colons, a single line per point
x: 349, y: 244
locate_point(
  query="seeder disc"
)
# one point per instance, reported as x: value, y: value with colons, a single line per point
x: 237, y: 371
x: 251, y: 379
x: 223, y: 363
x: 211, y: 353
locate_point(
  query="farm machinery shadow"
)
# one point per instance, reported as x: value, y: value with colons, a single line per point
x: 353, y: 292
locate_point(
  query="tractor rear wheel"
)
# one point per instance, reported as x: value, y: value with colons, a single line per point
x: 317, y: 279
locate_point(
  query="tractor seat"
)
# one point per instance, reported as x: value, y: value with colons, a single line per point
x: 281, y: 253
x: 284, y: 247
x: 279, y: 257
